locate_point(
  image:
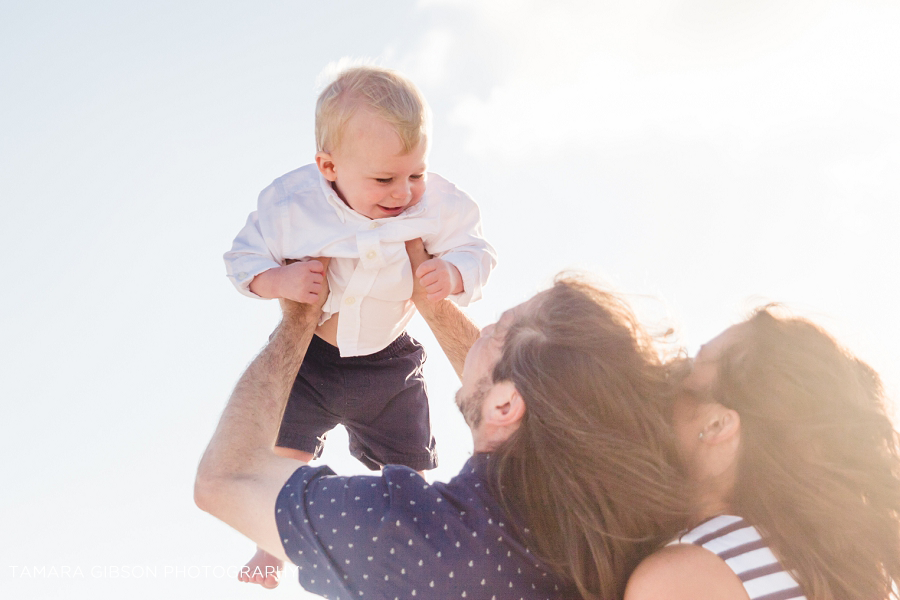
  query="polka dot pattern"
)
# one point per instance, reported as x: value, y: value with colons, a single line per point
x: 396, y: 536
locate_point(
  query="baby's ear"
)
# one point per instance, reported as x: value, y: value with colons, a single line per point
x: 326, y: 165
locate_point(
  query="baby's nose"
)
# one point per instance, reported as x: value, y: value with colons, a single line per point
x: 401, y: 191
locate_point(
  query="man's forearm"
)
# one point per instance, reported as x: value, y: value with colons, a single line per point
x: 240, y: 476
x: 454, y: 331
x: 250, y: 421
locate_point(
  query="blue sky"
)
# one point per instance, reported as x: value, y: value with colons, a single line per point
x: 701, y: 157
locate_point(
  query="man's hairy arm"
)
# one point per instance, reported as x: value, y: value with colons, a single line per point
x: 240, y: 476
x: 454, y: 331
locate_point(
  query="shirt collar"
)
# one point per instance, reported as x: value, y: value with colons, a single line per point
x: 477, y: 465
x: 340, y: 208
x: 478, y: 468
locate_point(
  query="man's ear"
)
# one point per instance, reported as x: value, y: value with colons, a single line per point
x: 326, y: 165
x: 504, y: 405
x: 724, y: 424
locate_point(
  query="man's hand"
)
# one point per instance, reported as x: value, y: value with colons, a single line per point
x: 439, y: 278
x: 415, y: 249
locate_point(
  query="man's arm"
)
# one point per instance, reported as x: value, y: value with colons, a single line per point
x: 454, y: 331
x: 240, y: 476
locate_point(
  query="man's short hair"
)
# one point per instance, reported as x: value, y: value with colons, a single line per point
x: 385, y: 93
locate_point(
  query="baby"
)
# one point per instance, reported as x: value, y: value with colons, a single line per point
x: 364, y: 197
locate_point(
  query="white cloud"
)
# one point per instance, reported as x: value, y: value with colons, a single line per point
x: 427, y: 64
x: 600, y: 74
x: 330, y: 71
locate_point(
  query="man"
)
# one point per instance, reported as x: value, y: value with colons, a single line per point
x: 569, y: 487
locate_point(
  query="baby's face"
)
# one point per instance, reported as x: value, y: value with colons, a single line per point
x: 369, y: 171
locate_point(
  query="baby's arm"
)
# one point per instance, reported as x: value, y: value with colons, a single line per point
x: 297, y: 281
x: 256, y: 264
x: 440, y: 278
x: 251, y: 253
x: 459, y: 245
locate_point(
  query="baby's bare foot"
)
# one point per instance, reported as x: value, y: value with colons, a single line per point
x: 263, y: 569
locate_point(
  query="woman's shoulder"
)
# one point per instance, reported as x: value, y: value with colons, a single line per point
x: 684, y: 571
x: 722, y: 558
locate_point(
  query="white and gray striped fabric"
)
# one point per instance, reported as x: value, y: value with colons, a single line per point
x: 742, y: 548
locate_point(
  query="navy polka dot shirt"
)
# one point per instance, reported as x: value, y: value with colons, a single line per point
x: 396, y: 536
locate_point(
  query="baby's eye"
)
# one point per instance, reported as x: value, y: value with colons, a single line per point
x: 417, y: 177
x: 384, y: 180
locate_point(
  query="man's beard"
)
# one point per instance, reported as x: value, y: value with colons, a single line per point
x: 470, y: 405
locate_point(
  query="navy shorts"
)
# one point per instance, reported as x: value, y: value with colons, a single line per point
x: 380, y: 399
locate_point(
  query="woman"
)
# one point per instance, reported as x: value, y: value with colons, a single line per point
x: 795, y: 463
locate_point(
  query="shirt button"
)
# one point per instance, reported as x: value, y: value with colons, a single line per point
x: 374, y: 225
x: 242, y: 275
x: 349, y: 301
x: 370, y: 254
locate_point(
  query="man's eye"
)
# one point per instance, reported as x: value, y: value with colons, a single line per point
x: 386, y: 180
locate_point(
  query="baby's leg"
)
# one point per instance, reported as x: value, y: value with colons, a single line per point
x: 263, y: 569
x: 388, y: 420
x: 294, y: 453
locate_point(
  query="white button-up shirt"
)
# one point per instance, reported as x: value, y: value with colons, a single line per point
x: 370, y: 278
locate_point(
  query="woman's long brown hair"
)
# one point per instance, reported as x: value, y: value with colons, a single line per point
x: 591, y: 466
x: 819, y: 468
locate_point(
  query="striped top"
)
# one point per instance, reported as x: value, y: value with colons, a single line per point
x: 742, y: 548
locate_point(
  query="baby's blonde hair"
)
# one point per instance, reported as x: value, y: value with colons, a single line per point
x: 387, y: 94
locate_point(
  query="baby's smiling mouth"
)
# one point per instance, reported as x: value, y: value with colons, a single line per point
x: 395, y: 210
